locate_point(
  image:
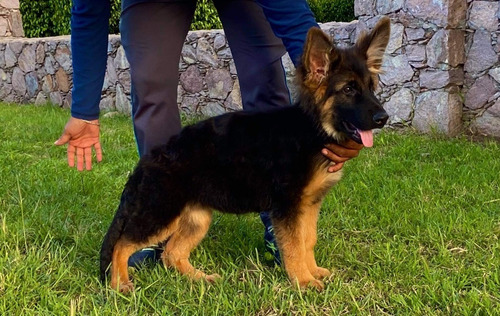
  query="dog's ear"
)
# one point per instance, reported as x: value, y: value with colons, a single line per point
x: 373, y: 45
x: 317, y: 55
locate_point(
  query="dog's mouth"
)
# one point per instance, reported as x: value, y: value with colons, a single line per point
x: 359, y: 136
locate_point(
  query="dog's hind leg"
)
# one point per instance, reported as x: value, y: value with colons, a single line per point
x: 291, y: 236
x: 193, y: 226
x: 119, y: 268
x: 124, y: 248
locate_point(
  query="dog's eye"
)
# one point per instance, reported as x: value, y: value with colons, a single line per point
x: 349, y: 90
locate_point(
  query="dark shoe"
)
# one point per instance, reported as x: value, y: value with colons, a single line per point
x: 269, y: 238
x: 144, y: 256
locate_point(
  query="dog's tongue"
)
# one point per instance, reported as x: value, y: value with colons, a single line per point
x: 366, y: 137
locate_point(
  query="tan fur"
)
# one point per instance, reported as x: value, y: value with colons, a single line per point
x: 125, y: 248
x: 374, y: 45
x: 193, y: 225
x: 326, y: 119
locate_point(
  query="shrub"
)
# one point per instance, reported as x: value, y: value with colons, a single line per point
x: 45, y: 18
x: 332, y: 10
x: 51, y: 18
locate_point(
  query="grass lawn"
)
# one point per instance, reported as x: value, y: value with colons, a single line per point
x: 413, y: 228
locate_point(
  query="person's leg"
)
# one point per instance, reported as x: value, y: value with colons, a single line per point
x: 257, y: 55
x: 152, y: 36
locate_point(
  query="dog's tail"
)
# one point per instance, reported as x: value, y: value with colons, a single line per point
x: 108, y: 244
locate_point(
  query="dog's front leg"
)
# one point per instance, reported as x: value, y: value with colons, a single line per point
x: 310, y: 227
x: 291, y: 236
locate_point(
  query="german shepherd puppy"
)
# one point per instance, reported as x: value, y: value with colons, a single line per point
x: 250, y: 162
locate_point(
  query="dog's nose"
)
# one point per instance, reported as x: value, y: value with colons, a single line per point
x: 380, y: 118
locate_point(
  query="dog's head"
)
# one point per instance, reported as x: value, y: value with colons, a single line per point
x: 338, y: 84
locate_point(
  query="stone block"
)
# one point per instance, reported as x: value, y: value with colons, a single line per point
x: 31, y: 84
x: 62, y: 80
x: 188, y: 54
x: 495, y: 73
x: 56, y: 98
x: 480, y: 92
x: 400, y: 106
x: 211, y: 109
x: 41, y: 99
x: 446, y: 48
x: 205, y: 53
x: 3, y: 26
x: 438, y: 110
x: 483, y: 14
x: 27, y: 58
x: 10, y: 57
x: 388, y: 6
x: 435, y: 79
x: 121, y: 61
x: 122, y: 102
x: 445, y: 13
x: 40, y: 53
x: 18, y: 82
x: 489, y: 122
x: 63, y: 56
x: 414, y: 34
x: 396, y: 39
x: 364, y: 7
x: 191, y: 79
x: 481, y: 55
x: 16, y: 23
x: 233, y: 101
x: 415, y: 53
x: 219, y: 83
x: 397, y: 70
x: 9, y: 4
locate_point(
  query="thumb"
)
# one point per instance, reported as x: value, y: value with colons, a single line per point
x: 65, y: 137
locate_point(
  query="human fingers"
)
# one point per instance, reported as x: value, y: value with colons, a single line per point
x: 71, y: 155
x: 351, y: 144
x: 88, y: 158
x: 65, y: 137
x: 98, y: 151
x: 336, y: 167
x: 342, y: 151
x: 79, y: 158
x: 332, y: 156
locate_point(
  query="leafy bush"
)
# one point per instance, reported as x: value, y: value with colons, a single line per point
x: 332, y: 10
x: 50, y: 18
x: 45, y: 18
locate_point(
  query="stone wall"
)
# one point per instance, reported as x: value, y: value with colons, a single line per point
x: 482, y: 67
x: 39, y: 71
x: 10, y: 19
x: 442, y: 69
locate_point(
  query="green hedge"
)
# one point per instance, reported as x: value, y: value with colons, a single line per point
x: 332, y: 10
x: 50, y: 18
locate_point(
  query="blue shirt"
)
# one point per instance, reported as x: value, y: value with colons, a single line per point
x: 290, y: 21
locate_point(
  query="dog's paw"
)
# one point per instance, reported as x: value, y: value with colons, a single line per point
x: 321, y: 273
x: 212, y: 278
x: 126, y: 287
x: 317, y: 284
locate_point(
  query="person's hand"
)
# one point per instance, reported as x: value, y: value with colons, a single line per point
x: 81, y: 136
x: 341, y: 153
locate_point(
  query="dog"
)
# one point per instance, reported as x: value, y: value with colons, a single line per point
x: 254, y: 161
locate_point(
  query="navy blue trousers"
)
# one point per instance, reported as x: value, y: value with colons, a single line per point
x: 153, y: 35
